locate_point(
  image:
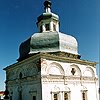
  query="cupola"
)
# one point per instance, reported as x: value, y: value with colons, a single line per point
x: 48, y: 39
x: 48, y: 21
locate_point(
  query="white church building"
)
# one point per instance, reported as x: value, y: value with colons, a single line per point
x: 49, y: 66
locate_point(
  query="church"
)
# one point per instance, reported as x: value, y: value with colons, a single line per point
x: 49, y: 66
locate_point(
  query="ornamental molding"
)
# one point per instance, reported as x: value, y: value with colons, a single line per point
x: 66, y: 57
x: 32, y: 58
x: 55, y: 68
x: 67, y: 79
x: 24, y: 80
x: 74, y: 70
x: 57, y: 89
x: 89, y: 72
x: 29, y: 69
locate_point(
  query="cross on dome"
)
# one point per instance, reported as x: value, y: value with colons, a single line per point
x: 47, y: 6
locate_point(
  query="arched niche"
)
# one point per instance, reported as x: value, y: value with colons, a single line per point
x: 27, y: 70
x: 74, y: 70
x: 20, y: 72
x: 88, y: 72
x: 32, y: 69
x: 55, y: 69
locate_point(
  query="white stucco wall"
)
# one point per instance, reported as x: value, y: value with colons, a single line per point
x: 52, y: 76
x: 54, y: 68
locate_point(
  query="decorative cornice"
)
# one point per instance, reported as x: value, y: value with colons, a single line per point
x: 65, y: 79
x: 64, y: 57
x: 24, y: 80
x: 67, y: 57
x: 32, y: 58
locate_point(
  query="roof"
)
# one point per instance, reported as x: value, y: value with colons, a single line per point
x: 48, y: 42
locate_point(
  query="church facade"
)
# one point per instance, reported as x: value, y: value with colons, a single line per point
x: 49, y: 66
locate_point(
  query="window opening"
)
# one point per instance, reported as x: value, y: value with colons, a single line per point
x: 34, y: 97
x: 10, y: 97
x: 55, y: 97
x: 41, y: 28
x: 73, y: 71
x: 20, y: 95
x: 20, y: 75
x: 47, y: 27
x: 65, y: 96
x: 54, y: 27
x: 83, y: 96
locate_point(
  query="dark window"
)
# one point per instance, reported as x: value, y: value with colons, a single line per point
x: 10, y: 97
x: 41, y: 28
x: 73, y: 71
x: 55, y: 97
x: 20, y: 75
x: 65, y: 96
x: 47, y: 27
x: 34, y: 97
x: 20, y: 95
x: 84, y: 96
x: 54, y: 27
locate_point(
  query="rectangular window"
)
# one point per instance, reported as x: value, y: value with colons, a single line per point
x: 20, y: 95
x: 65, y: 96
x: 84, y: 95
x: 10, y: 97
x: 55, y: 97
x: 41, y: 28
x: 47, y: 27
x: 34, y: 97
x: 54, y: 27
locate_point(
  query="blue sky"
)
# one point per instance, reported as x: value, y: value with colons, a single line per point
x: 79, y: 18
